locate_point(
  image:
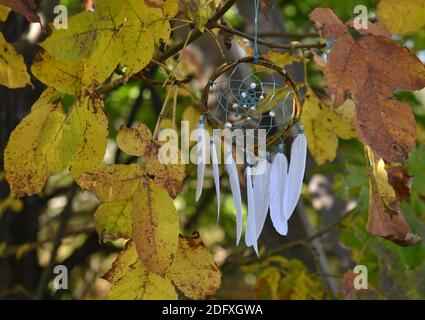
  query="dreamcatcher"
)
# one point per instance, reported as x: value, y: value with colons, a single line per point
x: 258, y: 100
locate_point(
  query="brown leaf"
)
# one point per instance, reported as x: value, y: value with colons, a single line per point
x: 372, y: 28
x: 400, y: 181
x: 372, y: 69
x: 170, y: 176
x: 387, y: 125
x: 351, y: 63
x: 25, y: 7
x: 348, y: 291
x: 326, y: 23
x: 388, y: 223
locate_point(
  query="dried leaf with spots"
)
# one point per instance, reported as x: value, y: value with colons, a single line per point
x: 25, y: 7
x: 25, y: 155
x: 155, y: 224
x: 137, y: 141
x: 131, y: 280
x: 13, y: 71
x: 402, y: 17
x: 194, y: 271
x: 61, y: 75
x: 168, y: 176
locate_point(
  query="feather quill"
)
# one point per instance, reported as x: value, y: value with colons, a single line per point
x: 251, y: 232
x: 201, y: 158
x: 216, y: 174
x: 236, y: 191
x: 295, y: 174
x: 278, y: 180
x: 261, y: 180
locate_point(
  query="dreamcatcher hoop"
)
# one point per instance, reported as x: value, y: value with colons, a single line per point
x: 215, y: 122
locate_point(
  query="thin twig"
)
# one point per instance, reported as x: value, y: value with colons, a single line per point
x: 47, y: 272
x: 294, y: 244
x: 270, y: 44
x: 283, y: 34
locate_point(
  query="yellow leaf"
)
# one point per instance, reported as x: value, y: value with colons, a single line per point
x: 323, y: 125
x: 131, y: 280
x: 283, y: 59
x: 170, y: 8
x: 81, y: 38
x: 192, y: 115
x: 94, y: 124
x: 82, y: 140
x: 25, y: 155
x: 136, y: 141
x: 62, y: 75
x: 155, y: 227
x: 113, y: 220
x: 4, y: 12
x: 13, y: 71
x: 118, y: 32
x: 194, y: 271
x: 113, y: 183
x: 401, y: 17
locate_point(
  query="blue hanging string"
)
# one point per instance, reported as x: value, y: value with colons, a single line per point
x: 257, y: 10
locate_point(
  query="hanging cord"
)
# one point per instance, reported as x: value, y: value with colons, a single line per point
x: 257, y: 10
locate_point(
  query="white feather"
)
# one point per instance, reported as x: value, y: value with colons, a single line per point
x: 216, y: 173
x: 251, y: 232
x: 202, y: 154
x: 261, y: 180
x: 236, y: 191
x: 295, y: 174
x: 278, y: 179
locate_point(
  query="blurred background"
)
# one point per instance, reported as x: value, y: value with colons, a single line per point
x: 327, y: 234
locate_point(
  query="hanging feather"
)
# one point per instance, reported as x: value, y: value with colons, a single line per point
x: 236, y: 191
x: 295, y: 174
x: 278, y: 180
x: 251, y: 232
x: 261, y: 181
x: 216, y: 173
x: 202, y: 155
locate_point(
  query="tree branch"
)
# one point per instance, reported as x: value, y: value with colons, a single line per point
x: 267, y: 43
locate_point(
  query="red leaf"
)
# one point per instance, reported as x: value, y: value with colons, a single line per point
x: 24, y: 7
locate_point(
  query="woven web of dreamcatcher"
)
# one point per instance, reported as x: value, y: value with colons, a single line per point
x: 251, y: 97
